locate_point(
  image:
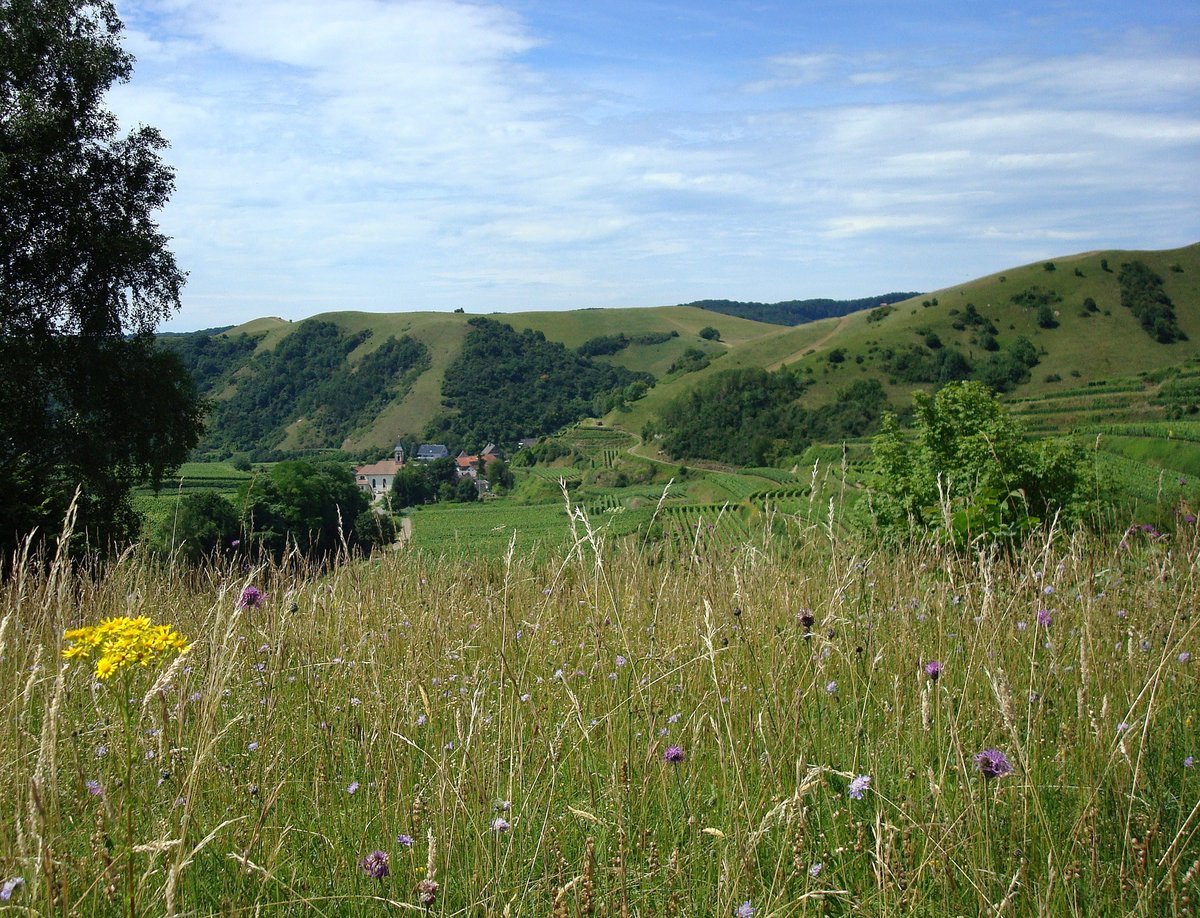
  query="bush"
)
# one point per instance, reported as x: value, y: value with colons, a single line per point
x: 708, y: 333
x: 969, y: 473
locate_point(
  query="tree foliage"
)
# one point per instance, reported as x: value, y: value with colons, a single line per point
x: 306, y: 383
x: 87, y: 400
x: 507, y: 384
x: 1142, y: 294
x: 751, y: 417
x: 968, y: 470
x: 314, y: 507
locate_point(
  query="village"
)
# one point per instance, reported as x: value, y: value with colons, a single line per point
x: 376, y: 478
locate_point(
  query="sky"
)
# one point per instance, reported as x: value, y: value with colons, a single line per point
x: 402, y: 155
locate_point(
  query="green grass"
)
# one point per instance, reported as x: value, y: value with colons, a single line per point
x: 430, y: 696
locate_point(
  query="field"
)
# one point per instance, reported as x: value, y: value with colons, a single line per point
x: 754, y: 723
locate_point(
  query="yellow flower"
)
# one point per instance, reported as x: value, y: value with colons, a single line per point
x: 123, y: 641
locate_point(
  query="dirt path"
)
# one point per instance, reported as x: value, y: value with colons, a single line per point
x: 817, y: 345
x: 404, y: 534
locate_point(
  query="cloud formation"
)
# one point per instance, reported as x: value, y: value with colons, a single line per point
x: 420, y: 154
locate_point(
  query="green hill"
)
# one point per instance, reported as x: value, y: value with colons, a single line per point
x: 1069, y: 311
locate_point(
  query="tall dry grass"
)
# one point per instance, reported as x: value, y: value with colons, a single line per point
x: 511, y: 720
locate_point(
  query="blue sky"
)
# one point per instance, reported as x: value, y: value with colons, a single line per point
x: 397, y: 155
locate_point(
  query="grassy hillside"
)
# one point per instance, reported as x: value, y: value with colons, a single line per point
x: 1084, y: 346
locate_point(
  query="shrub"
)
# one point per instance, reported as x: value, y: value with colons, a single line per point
x: 969, y: 473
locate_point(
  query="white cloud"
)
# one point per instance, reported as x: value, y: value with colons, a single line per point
x: 399, y: 155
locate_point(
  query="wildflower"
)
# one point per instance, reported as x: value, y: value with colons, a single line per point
x: 6, y: 890
x: 933, y: 669
x: 375, y: 865
x: 992, y: 763
x: 1044, y: 617
x: 859, y: 786
x: 675, y: 755
x: 427, y: 891
x: 404, y: 841
x: 1184, y: 657
x: 236, y: 543
x: 1122, y: 726
x: 251, y: 598
x: 831, y: 688
x: 252, y: 747
x: 94, y: 788
x: 815, y: 870
x: 620, y: 661
x: 124, y: 641
x: 525, y: 696
x: 101, y: 751
x: 674, y: 718
x: 1189, y: 761
x: 352, y: 787
x: 500, y: 825
x: 745, y: 910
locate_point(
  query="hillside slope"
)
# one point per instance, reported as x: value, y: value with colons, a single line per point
x: 1075, y: 342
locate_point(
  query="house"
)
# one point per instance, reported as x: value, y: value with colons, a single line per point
x: 527, y: 442
x: 376, y: 479
x: 431, y: 452
x: 466, y: 466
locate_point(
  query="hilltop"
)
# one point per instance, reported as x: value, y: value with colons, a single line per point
x: 385, y: 375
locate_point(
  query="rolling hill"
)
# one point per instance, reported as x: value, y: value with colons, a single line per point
x: 1069, y: 311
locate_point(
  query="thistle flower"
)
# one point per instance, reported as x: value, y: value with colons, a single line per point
x: 124, y: 641
x: 859, y: 786
x: 933, y: 669
x: 375, y: 865
x: 992, y: 763
x: 674, y: 755
x: 251, y: 598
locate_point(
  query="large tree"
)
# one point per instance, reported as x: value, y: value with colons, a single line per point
x: 86, y: 399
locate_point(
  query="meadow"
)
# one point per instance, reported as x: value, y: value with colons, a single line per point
x: 783, y: 721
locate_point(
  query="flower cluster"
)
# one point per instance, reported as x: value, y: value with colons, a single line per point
x: 122, y: 642
x: 375, y: 865
x: 992, y: 763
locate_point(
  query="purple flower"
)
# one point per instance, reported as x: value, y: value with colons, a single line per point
x: 1045, y: 616
x: 933, y: 669
x: 620, y: 660
x: 94, y: 788
x: 235, y: 543
x: 6, y: 890
x: 251, y: 598
x: 1189, y: 761
x: 405, y: 841
x: 252, y: 747
x: 859, y: 786
x: 675, y: 755
x: 352, y: 787
x: 375, y: 865
x: 831, y: 688
x: 1184, y: 657
x: 745, y: 910
x: 815, y: 870
x: 992, y: 763
x: 500, y: 825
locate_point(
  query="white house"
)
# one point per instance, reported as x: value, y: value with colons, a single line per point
x: 376, y: 479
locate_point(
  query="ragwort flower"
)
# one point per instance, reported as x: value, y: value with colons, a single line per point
x: 122, y: 642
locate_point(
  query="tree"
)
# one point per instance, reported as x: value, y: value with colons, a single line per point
x: 203, y: 524
x: 313, y: 507
x: 709, y: 333
x: 969, y: 470
x: 86, y: 400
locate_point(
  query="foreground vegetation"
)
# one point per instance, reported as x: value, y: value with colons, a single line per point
x: 680, y: 730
